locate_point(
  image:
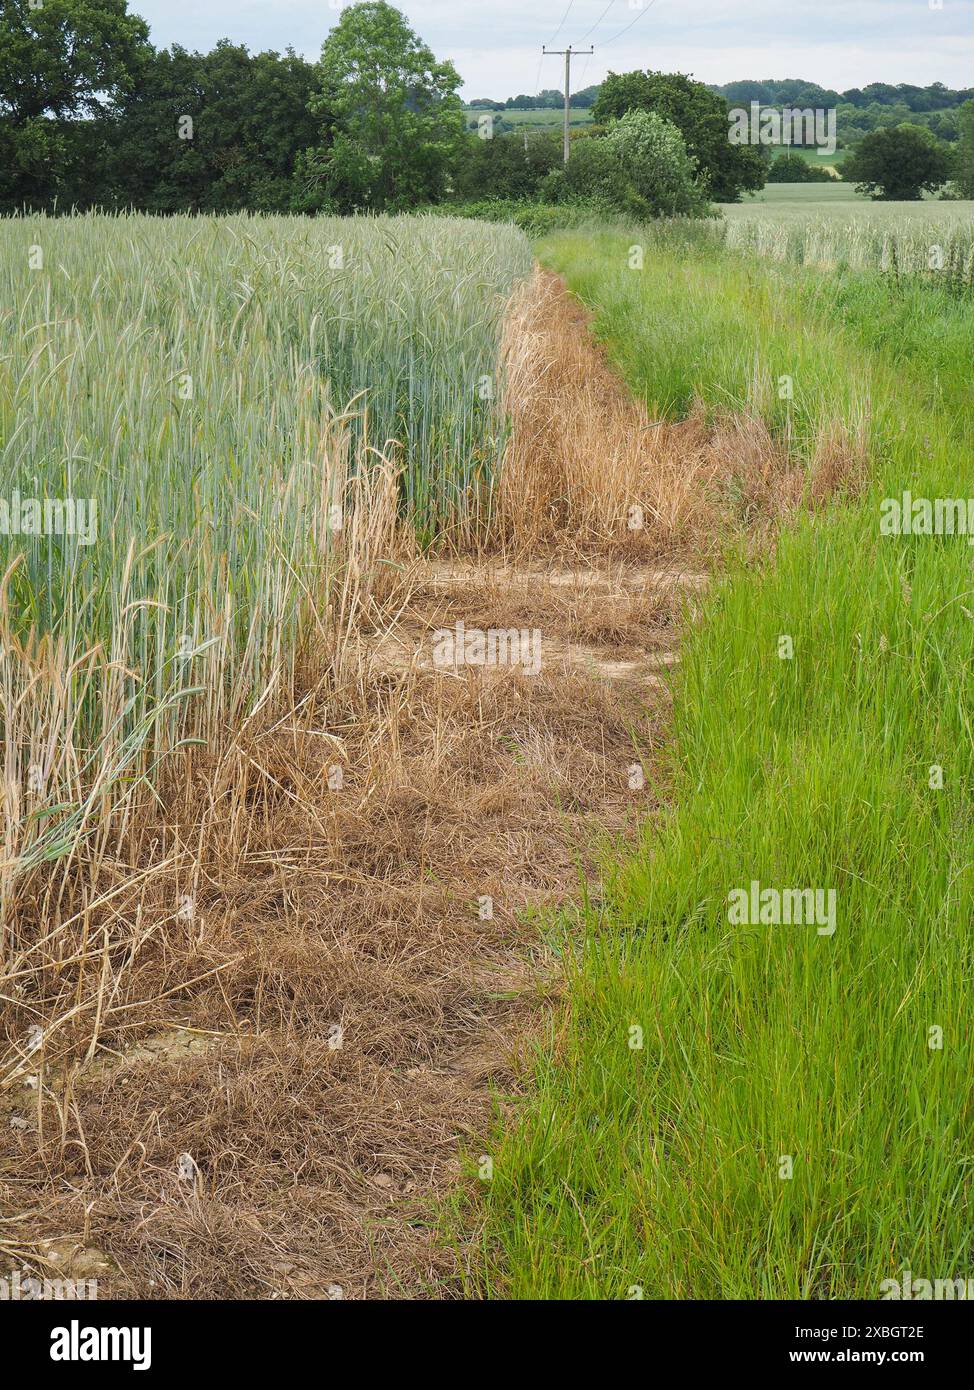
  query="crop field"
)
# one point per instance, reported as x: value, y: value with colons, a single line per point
x: 541, y: 118
x: 225, y: 442
x: 832, y: 227
x: 207, y: 392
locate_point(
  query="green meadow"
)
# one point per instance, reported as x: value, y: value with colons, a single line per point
x: 757, y: 1110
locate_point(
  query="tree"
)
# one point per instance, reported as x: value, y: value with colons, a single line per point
x: 656, y: 165
x: 640, y: 167
x: 392, y: 122
x: 250, y: 120
x: 701, y: 117
x: 898, y: 163
x: 154, y: 165
x: 62, y: 66
x: 964, y: 167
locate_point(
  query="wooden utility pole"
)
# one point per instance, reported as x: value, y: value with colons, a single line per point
x: 569, y: 53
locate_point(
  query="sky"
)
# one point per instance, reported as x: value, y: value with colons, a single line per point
x: 496, y: 44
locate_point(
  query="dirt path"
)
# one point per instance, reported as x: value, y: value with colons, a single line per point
x: 382, y: 964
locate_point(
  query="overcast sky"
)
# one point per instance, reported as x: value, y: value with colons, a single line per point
x: 496, y: 44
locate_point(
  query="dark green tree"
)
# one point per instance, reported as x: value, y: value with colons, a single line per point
x: 898, y: 163
x: 216, y: 131
x: 503, y: 167
x: 726, y: 170
x: 62, y: 68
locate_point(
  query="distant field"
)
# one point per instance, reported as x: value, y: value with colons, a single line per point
x: 831, y: 225
x: 819, y: 157
x: 790, y: 201
x: 803, y: 197
x: 581, y: 115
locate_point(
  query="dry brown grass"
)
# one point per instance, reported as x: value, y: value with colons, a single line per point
x: 585, y: 462
x: 316, y: 909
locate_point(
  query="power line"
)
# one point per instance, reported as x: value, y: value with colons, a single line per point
x: 599, y: 20
x: 630, y: 24
x: 537, y: 80
x: 588, y: 56
x: 562, y: 24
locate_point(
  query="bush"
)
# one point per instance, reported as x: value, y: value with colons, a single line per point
x: 791, y: 168
x: 640, y: 167
x: 660, y: 177
x: 591, y: 179
x: 700, y: 115
x: 537, y: 219
x: 503, y: 168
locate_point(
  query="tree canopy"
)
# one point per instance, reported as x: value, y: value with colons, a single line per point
x: 392, y: 118
x: 62, y: 64
x: 701, y: 117
x: 901, y: 163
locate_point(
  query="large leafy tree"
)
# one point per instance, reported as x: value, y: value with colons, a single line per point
x: 392, y: 122
x: 62, y: 66
x: 900, y: 163
x: 700, y: 115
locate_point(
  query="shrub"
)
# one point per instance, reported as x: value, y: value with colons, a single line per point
x: 660, y: 176
x: 791, y: 168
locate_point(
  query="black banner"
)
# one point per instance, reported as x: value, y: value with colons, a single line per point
x: 173, y: 1338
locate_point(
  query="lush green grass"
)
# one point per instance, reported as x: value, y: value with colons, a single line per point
x: 656, y: 1167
